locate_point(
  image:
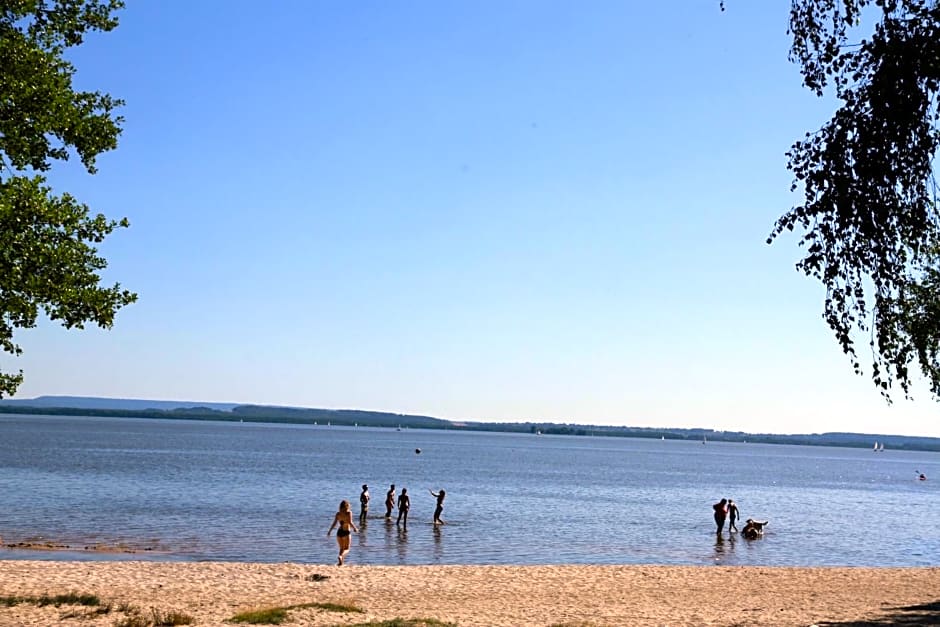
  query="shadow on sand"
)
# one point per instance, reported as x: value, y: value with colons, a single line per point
x: 926, y: 614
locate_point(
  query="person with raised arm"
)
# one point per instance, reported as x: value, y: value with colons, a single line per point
x: 440, y: 505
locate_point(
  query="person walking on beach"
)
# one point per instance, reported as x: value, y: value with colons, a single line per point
x: 733, y: 515
x: 404, y: 504
x: 343, y: 518
x: 389, y: 502
x: 364, y: 503
x: 440, y: 505
x: 721, y: 510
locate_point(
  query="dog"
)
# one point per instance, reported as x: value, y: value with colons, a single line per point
x: 753, y: 529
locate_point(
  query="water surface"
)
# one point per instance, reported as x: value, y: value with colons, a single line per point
x: 265, y: 492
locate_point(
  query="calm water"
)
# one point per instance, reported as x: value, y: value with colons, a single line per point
x: 257, y: 492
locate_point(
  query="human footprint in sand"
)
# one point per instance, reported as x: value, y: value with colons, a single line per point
x: 343, y: 518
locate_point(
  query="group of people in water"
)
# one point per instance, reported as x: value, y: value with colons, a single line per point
x: 726, y: 509
x: 343, y: 517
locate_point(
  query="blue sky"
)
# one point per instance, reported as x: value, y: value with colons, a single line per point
x: 505, y: 211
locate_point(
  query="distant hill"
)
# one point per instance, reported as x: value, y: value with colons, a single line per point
x: 179, y: 410
x: 93, y: 402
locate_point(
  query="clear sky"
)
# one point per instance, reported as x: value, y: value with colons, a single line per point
x: 494, y: 211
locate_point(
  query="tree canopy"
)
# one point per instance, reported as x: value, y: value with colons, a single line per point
x: 869, y: 213
x: 49, y: 262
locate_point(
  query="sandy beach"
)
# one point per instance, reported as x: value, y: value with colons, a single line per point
x: 212, y: 593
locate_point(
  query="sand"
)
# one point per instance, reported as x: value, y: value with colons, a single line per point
x: 211, y: 593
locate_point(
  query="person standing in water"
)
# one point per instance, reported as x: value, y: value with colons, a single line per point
x: 404, y: 504
x: 343, y: 518
x: 721, y: 510
x: 733, y: 515
x: 389, y: 502
x: 364, y: 503
x: 440, y: 505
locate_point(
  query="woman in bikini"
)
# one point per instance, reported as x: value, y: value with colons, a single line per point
x: 440, y: 505
x: 343, y: 518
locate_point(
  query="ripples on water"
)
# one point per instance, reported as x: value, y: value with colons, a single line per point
x: 262, y: 492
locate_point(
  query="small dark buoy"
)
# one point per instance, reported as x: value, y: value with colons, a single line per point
x: 417, y: 451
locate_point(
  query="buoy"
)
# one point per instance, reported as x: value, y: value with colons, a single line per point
x: 417, y: 451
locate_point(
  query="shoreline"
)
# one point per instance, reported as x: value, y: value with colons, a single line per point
x: 476, y: 596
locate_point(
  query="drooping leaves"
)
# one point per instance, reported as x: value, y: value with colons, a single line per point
x: 870, y: 216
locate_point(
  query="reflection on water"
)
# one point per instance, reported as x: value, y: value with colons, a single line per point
x: 402, y: 545
x: 239, y: 491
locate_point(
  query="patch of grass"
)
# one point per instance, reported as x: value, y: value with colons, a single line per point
x: 133, y: 620
x: 329, y: 607
x: 171, y: 618
x: 157, y: 618
x: 405, y: 622
x: 70, y: 598
x: 88, y: 613
x: 262, y: 616
x: 277, y: 615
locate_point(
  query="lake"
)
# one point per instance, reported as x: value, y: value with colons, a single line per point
x: 197, y: 490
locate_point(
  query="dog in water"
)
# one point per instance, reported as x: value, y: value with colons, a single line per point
x: 753, y: 529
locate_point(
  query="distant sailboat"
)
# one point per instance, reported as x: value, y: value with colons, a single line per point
x: 878, y: 447
x: 875, y: 447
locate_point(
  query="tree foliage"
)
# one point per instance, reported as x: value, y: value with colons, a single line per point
x: 48, y: 257
x: 869, y: 212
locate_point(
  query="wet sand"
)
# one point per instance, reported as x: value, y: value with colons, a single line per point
x: 211, y: 593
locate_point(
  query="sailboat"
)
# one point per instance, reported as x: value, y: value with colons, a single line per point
x: 878, y: 447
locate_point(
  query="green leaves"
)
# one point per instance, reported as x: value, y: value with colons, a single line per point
x: 48, y: 259
x: 870, y: 214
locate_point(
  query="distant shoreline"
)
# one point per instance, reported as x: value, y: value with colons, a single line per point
x: 361, y: 418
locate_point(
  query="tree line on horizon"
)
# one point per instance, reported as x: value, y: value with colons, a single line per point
x: 364, y: 418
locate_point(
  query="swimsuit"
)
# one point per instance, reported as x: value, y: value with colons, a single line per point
x: 342, y: 533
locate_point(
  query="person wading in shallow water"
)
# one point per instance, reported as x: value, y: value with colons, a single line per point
x: 721, y: 511
x: 389, y: 502
x: 440, y: 505
x: 343, y: 518
x: 733, y: 515
x: 364, y: 503
x: 404, y: 504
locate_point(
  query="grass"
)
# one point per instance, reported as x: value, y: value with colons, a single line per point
x: 263, y: 616
x: 278, y: 615
x: 405, y: 622
x: 134, y: 618
x: 157, y: 618
x: 70, y: 598
x: 94, y: 611
x: 329, y: 607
